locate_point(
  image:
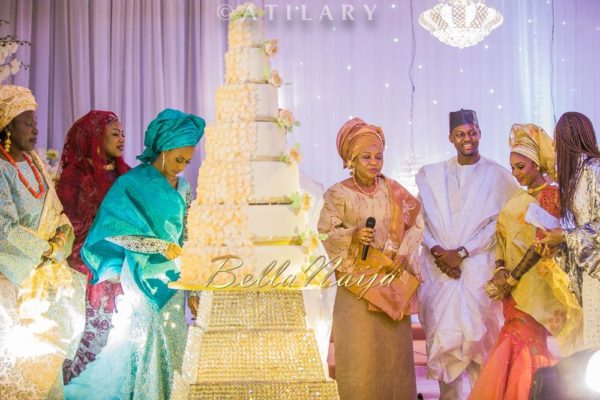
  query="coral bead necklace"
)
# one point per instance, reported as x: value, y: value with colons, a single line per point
x: 36, y: 173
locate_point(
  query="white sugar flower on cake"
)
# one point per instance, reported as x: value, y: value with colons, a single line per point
x: 301, y: 201
x: 274, y: 78
x: 286, y: 120
x: 310, y: 240
x: 270, y: 47
x: 292, y: 156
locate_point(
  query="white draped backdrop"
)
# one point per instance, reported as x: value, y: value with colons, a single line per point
x: 136, y: 57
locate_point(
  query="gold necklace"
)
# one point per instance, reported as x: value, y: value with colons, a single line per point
x: 363, y: 191
x: 109, y: 167
x: 537, y: 189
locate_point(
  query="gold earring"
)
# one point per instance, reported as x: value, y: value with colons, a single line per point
x: 163, y: 163
x: 352, y: 170
x: 350, y: 165
x: 7, y: 142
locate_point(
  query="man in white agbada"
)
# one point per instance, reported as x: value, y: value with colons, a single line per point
x: 461, y: 200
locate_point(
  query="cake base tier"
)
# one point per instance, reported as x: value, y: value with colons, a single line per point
x: 275, y: 355
x: 323, y: 390
x: 252, y: 345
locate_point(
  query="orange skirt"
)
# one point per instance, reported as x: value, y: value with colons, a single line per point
x: 520, y: 351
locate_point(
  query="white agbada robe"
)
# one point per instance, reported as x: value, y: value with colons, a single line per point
x: 460, y: 205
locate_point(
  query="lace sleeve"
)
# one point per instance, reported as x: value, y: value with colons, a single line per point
x: 188, y: 204
x: 140, y: 244
x: 583, y: 242
x: 21, y: 248
x: 331, y: 222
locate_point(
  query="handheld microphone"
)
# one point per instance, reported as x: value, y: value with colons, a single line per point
x: 369, y: 224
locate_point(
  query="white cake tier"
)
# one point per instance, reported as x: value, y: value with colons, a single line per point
x: 197, y: 267
x: 246, y: 64
x: 273, y: 181
x: 245, y: 32
x: 263, y: 139
x: 257, y: 182
x: 296, y: 255
x: 247, y: 101
x: 274, y: 221
x: 200, y: 263
x: 270, y: 140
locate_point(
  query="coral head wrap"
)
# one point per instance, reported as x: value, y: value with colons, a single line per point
x: 354, y: 135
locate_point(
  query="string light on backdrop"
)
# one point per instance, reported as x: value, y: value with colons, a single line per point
x: 410, y: 165
x: 460, y: 23
x: 405, y: 174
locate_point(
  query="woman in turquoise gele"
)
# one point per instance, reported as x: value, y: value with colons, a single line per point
x: 137, y: 234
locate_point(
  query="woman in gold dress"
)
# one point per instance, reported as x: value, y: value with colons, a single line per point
x: 371, y: 331
x: 534, y: 289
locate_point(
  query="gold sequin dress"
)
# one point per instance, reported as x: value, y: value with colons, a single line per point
x: 583, y: 243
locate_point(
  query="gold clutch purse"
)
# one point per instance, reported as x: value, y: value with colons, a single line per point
x: 393, y: 296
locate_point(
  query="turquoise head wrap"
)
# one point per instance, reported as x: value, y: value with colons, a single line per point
x: 171, y: 129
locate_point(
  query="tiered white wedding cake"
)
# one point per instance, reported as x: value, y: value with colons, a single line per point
x: 249, y: 203
x: 249, y: 344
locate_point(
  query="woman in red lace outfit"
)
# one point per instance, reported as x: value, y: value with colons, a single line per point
x: 91, y: 162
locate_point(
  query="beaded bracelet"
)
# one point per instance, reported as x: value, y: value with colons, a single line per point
x: 53, y: 249
x: 501, y: 268
x: 60, y: 239
x: 511, y: 281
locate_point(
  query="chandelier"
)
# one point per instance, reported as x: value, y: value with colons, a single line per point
x: 460, y: 23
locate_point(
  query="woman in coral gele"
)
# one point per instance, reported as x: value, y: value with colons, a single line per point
x: 372, y: 331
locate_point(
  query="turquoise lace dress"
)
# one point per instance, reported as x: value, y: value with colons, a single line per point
x: 139, y: 217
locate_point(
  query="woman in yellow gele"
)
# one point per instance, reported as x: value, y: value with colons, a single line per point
x: 42, y: 300
x: 533, y: 288
x: 372, y: 334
